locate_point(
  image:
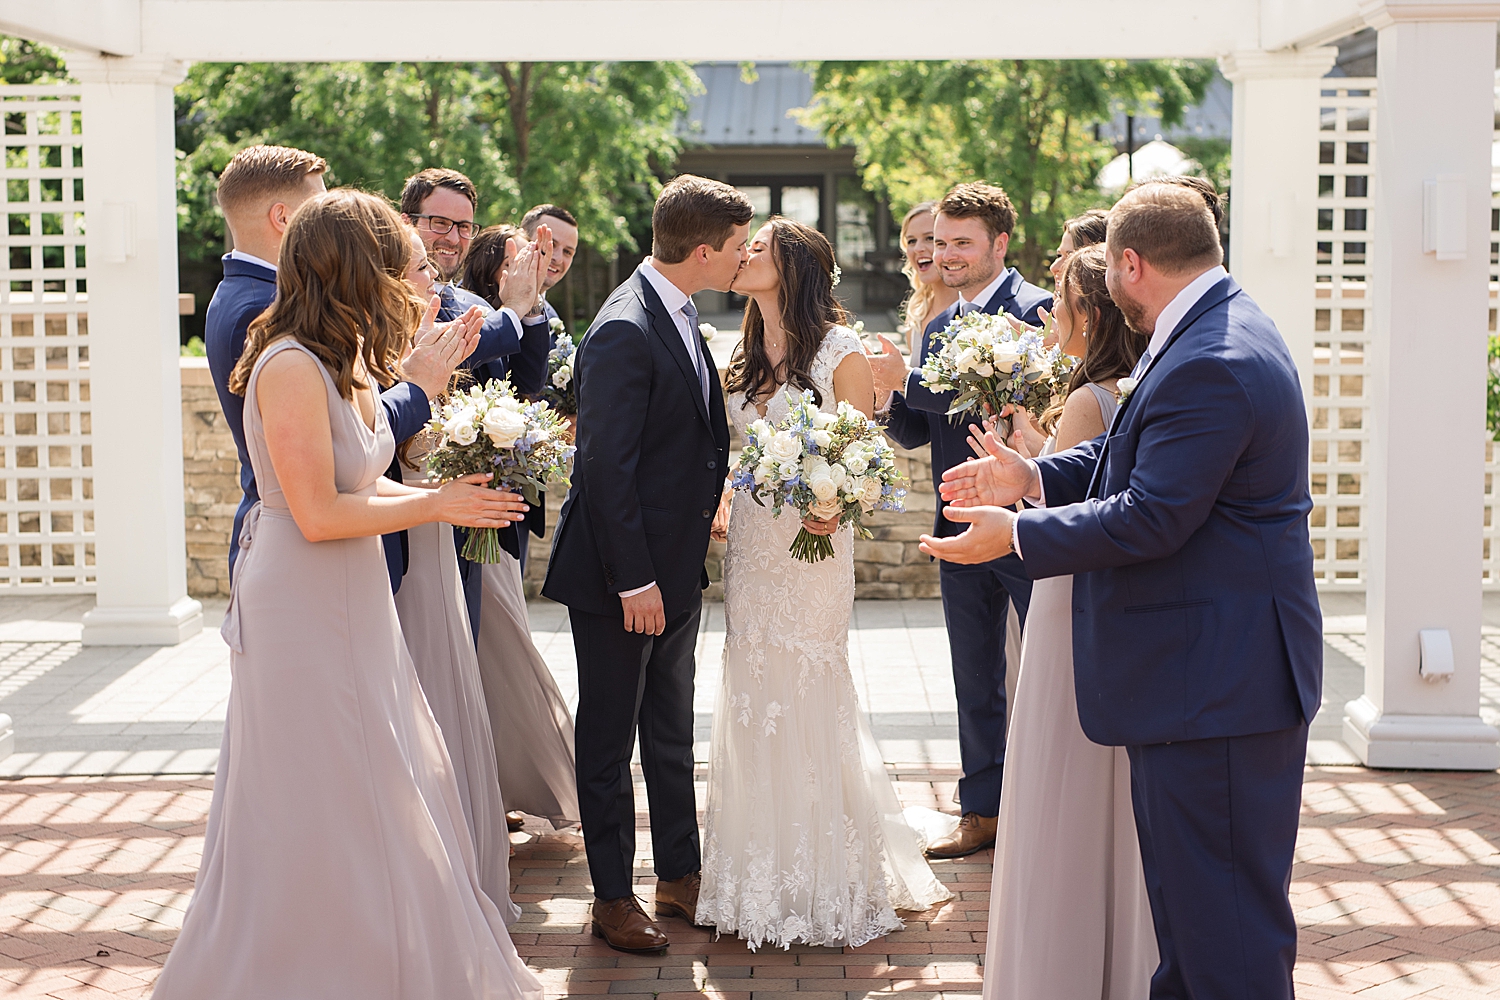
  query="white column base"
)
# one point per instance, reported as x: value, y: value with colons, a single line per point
x: 143, y: 626
x: 1431, y: 742
x: 7, y: 737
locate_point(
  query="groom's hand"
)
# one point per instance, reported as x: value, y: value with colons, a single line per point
x: 990, y: 535
x: 997, y: 480
x: 644, y: 612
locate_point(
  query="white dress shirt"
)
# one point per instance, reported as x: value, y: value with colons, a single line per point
x: 248, y: 258
x: 1166, y: 324
x: 674, y: 299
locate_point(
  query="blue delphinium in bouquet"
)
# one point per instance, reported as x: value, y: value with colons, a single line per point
x: 559, y: 388
x: 982, y: 359
x: 823, y: 465
x: 488, y: 429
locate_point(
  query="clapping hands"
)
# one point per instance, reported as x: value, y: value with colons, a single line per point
x: 439, y: 348
x: 978, y: 493
x: 523, y: 276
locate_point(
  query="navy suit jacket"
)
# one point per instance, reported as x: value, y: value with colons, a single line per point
x: 1195, y: 614
x: 918, y: 416
x: 650, y: 463
x: 246, y: 291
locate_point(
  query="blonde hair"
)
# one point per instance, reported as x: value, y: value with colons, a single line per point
x: 341, y: 291
x: 917, y: 309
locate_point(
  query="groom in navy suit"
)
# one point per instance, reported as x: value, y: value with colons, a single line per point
x: 971, y: 231
x: 1197, y: 636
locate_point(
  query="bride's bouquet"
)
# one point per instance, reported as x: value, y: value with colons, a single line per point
x: 523, y: 445
x: 823, y: 465
x: 982, y: 358
x: 558, y: 389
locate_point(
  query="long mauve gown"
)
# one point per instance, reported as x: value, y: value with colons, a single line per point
x: 533, y: 728
x: 337, y: 864
x: 435, y: 621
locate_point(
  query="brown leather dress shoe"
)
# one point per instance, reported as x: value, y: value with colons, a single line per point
x: 514, y: 821
x: 974, y: 833
x: 679, y: 897
x: 624, y: 926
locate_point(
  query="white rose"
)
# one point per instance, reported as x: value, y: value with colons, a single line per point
x: 784, y: 448
x: 822, y: 438
x: 1007, y: 353
x: 504, y: 426
x: 870, y: 491
x: 824, y: 509
x: 856, y: 461
x: 838, y: 474
x: 510, y: 403
x: 1035, y: 365
x: 821, y: 420
x: 460, y: 426
x: 984, y: 370
x: 760, y: 430
x: 967, y: 360
x: 764, y: 471
x: 823, y: 487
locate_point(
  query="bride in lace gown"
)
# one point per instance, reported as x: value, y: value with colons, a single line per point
x: 805, y: 841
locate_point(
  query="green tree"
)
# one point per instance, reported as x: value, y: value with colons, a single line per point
x: 23, y: 61
x: 1028, y: 125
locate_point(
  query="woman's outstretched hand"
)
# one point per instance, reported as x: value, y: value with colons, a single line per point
x: 469, y: 503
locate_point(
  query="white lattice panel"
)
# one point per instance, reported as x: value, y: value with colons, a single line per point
x: 1340, y: 403
x: 46, y: 490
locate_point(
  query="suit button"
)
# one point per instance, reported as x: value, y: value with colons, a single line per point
x: 707, y: 512
x: 712, y: 464
x: 1079, y: 610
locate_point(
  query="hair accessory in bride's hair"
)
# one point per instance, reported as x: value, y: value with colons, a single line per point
x: 836, y: 275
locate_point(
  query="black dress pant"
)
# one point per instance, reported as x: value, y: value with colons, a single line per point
x: 629, y: 683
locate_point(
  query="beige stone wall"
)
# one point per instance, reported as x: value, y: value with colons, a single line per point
x: 210, y: 481
x: 886, y: 566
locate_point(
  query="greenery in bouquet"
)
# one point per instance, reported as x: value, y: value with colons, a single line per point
x: 982, y: 359
x: 822, y: 465
x: 559, y: 390
x: 489, y: 430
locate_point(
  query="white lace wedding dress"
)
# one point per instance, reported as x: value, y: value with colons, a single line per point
x: 805, y: 841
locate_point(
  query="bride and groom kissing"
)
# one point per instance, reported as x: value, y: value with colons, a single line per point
x: 804, y: 841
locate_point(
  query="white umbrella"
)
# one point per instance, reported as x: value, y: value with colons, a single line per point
x: 1154, y: 159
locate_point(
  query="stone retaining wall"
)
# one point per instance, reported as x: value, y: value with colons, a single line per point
x: 888, y: 566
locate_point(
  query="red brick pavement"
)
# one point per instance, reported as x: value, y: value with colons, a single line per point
x: 1397, y: 889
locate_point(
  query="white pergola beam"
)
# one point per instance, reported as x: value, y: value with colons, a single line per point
x: 112, y: 26
x: 1299, y: 24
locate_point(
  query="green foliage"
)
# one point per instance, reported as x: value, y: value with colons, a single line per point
x: 919, y: 127
x: 23, y: 61
x: 194, y: 348
x: 1212, y: 155
x: 1492, y: 398
x: 591, y: 136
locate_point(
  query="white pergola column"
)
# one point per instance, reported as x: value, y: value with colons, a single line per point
x: 131, y: 210
x: 1273, y: 211
x: 1435, y: 120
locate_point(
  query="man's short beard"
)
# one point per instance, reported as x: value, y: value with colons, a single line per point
x: 975, y: 284
x: 1133, y: 311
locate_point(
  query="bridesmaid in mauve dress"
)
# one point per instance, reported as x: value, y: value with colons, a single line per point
x: 337, y: 864
x: 435, y: 621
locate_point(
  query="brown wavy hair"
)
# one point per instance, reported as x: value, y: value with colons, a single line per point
x: 486, y: 254
x: 1113, y: 347
x: 804, y: 260
x: 341, y: 291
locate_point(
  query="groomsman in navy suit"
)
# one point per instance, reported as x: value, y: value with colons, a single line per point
x: 258, y: 192
x: 440, y: 204
x: 1197, y: 636
x: 971, y: 231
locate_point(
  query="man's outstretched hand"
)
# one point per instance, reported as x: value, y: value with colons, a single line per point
x: 997, y: 480
x: 990, y: 534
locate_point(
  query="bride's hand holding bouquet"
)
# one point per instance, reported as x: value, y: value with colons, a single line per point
x: 832, y: 468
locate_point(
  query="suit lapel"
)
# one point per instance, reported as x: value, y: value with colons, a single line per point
x: 1215, y: 295
x: 666, y: 331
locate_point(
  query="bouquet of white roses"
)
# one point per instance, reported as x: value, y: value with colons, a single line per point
x: 488, y: 429
x: 982, y: 358
x: 558, y: 389
x: 823, y: 465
